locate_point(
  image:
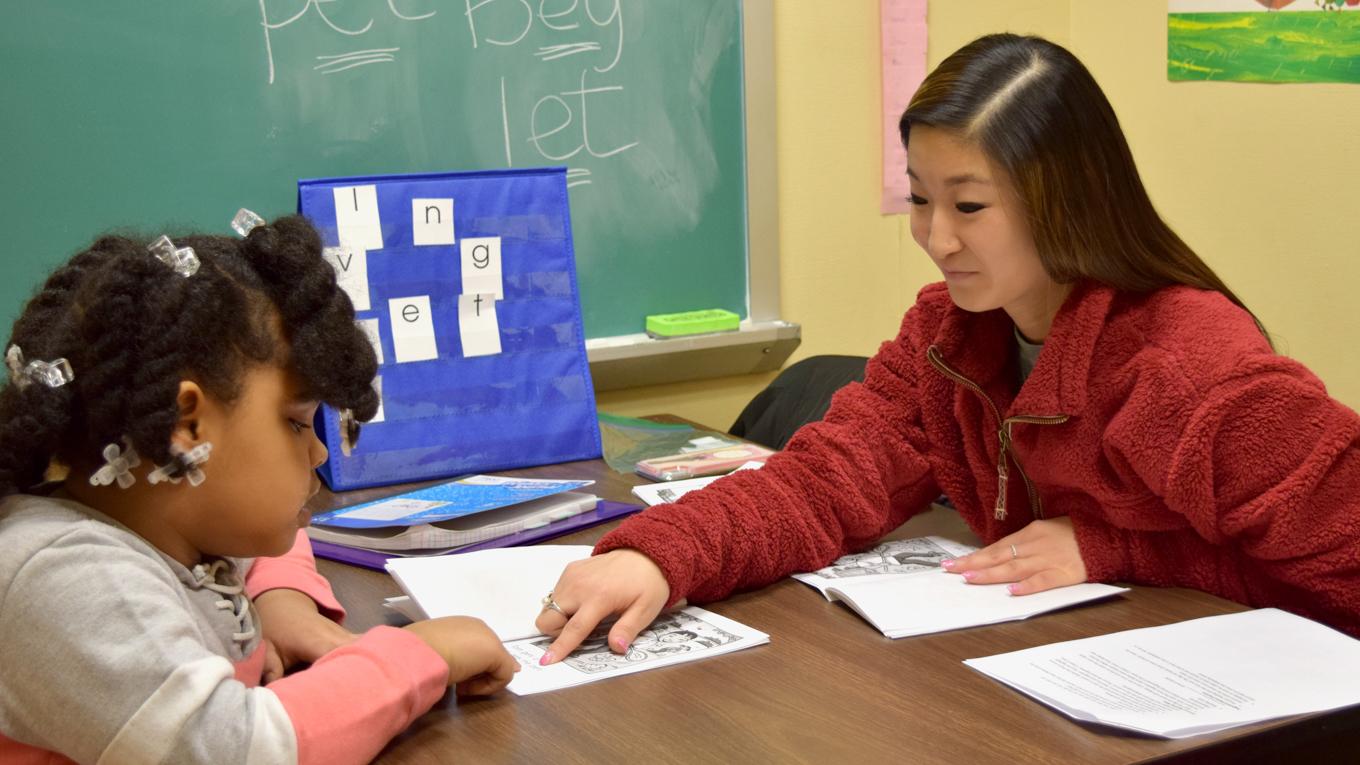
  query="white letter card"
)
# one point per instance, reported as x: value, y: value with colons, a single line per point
x: 412, y: 329
x: 370, y: 329
x: 356, y: 217
x: 432, y: 221
x: 477, y: 326
x: 351, y: 271
x: 482, y: 266
x: 377, y: 386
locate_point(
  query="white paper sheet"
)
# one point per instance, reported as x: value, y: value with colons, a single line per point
x: 351, y: 273
x: 668, y: 491
x: 676, y: 637
x: 356, y: 217
x: 370, y: 330
x: 503, y: 587
x: 478, y: 328
x: 481, y: 266
x: 412, y: 329
x: 432, y: 221
x: 377, y: 387
x: 899, y: 588
x: 1193, y: 677
x: 403, y: 605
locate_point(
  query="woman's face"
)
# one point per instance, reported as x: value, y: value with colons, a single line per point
x: 968, y: 218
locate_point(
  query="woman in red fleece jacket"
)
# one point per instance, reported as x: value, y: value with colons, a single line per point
x: 1156, y: 439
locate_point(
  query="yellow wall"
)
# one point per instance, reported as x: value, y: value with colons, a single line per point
x: 1262, y: 180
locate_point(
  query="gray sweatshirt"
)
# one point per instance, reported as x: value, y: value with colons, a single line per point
x: 114, y: 652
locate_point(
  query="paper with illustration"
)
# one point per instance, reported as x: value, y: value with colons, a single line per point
x: 899, y: 588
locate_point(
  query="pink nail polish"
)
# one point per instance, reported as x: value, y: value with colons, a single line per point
x: 546, y: 659
x: 948, y: 563
x: 621, y: 644
x: 1011, y: 588
x: 969, y: 575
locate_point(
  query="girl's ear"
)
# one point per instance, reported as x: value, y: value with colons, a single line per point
x: 193, y: 415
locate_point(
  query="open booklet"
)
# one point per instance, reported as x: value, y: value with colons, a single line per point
x: 505, y: 587
x: 900, y: 588
x: 1193, y: 677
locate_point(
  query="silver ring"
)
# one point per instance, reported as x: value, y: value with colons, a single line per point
x: 1014, y: 554
x: 551, y: 605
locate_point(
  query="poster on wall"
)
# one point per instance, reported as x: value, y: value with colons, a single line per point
x: 903, y: 48
x: 1278, y: 41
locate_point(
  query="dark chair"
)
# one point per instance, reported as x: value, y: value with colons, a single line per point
x: 799, y: 395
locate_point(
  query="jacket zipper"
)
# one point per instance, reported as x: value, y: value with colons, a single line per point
x: 1003, y: 434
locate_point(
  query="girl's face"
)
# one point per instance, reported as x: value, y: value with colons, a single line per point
x: 967, y: 217
x: 260, y: 473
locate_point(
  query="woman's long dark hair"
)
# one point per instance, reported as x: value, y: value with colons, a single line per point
x: 1037, y: 113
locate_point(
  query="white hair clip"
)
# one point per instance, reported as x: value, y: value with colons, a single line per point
x: 118, y: 465
x: 53, y: 374
x: 182, y: 259
x: 183, y: 464
x: 245, y: 221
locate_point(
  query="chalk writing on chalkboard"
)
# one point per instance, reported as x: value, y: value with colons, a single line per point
x: 558, y: 123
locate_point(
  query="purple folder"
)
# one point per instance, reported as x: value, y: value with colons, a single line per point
x: 604, y: 511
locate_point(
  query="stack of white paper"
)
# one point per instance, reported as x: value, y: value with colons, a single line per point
x: 1195, y: 677
x: 900, y: 588
x: 505, y: 587
x: 669, y: 491
x: 502, y: 587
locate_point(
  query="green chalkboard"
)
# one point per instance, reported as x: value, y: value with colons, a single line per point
x: 170, y: 114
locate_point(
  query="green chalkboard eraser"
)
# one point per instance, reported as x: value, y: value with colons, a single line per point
x: 692, y: 323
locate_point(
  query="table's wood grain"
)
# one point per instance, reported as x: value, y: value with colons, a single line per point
x: 828, y: 688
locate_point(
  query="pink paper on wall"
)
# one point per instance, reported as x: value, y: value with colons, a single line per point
x: 902, y: 26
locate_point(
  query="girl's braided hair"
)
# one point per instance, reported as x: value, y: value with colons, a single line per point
x: 132, y: 329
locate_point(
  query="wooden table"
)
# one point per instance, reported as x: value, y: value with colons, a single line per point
x: 828, y: 687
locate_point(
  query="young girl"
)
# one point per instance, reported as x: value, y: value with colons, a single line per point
x: 177, y: 388
x: 1091, y: 397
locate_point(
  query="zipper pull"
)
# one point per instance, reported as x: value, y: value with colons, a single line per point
x: 1001, y: 477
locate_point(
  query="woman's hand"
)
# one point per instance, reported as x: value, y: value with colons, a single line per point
x: 296, y: 631
x: 1041, y: 556
x: 624, y: 582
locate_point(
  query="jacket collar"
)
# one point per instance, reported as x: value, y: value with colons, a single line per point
x: 981, y: 346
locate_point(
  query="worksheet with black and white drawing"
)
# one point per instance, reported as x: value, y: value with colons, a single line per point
x: 896, y: 558
x: 673, y: 638
x: 900, y: 588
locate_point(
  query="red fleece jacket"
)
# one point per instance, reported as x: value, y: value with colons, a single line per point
x: 1185, y: 452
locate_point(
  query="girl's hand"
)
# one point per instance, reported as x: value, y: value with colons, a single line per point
x: 622, y: 582
x: 273, y: 665
x: 478, y: 664
x: 1041, y: 556
x: 296, y: 631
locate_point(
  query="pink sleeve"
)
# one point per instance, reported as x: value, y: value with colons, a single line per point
x: 295, y: 570
x: 353, y: 700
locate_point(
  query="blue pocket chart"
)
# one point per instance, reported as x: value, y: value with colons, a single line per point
x: 466, y: 285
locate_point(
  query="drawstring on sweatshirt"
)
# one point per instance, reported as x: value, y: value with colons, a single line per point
x: 235, y: 601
